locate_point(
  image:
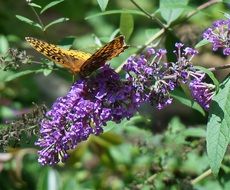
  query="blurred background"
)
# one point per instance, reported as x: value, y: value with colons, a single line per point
x: 154, y: 150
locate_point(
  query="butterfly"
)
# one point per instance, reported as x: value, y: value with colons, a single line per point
x: 79, y: 61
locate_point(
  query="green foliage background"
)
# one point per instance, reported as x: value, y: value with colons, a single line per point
x: 155, y: 149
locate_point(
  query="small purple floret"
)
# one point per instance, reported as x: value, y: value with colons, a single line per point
x: 219, y: 35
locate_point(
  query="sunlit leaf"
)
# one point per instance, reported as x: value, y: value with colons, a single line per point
x: 181, y: 97
x: 201, y: 43
x: 111, y: 137
x: 126, y: 25
x: 226, y: 14
x: 124, y: 150
x: 113, y: 35
x: 46, y: 72
x: 28, y: 21
x: 150, y: 32
x: 13, y: 38
x: 110, y: 125
x: 70, y: 184
x: 103, y: 4
x: 49, y: 179
x: 137, y: 120
x: 170, y: 10
x: 226, y: 1
x: 135, y: 12
x: 6, y: 112
x: 211, y: 75
x: 13, y: 76
x: 34, y: 5
x: 4, y: 45
x: 175, y: 125
x: 195, y: 132
x: 55, y: 22
x: 53, y: 3
x: 218, y: 127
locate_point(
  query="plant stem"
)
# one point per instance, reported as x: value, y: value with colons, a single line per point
x: 201, y: 7
x: 227, y: 66
x: 39, y: 20
x: 189, y: 15
x: 36, y: 62
x: 201, y: 177
x: 154, y: 37
x: 148, y: 180
x: 148, y: 14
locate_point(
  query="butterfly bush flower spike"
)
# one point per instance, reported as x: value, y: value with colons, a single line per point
x: 219, y: 35
x: 154, y: 79
x: 202, y: 92
x: 89, y: 104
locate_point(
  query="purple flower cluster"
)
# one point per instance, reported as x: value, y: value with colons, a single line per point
x: 202, y: 92
x: 154, y: 79
x: 219, y: 35
x: 90, y: 103
x: 103, y: 97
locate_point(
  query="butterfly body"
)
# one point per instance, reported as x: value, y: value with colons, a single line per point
x: 78, y: 61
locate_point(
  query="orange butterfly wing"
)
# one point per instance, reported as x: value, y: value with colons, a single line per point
x: 70, y: 59
x: 78, y: 61
x: 99, y: 58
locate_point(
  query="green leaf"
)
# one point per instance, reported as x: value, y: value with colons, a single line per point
x: 4, y: 45
x: 4, y: 75
x: 53, y: 3
x: 49, y: 179
x: 113, y: 35
x: 218, y: 128
x: 110, y: 125
x: 181, y: 97
x: 175, y: 125
x: 46, y: 72
x: 150, y: 32
x: 211, y: 75
x: 55, y: 22
x: 11, y: 76
x: 6, y: 112
x: 34, y: 5
x: 125, y: 150
x: 126, y: 25
x: 201, y: 43
x: 13, y: 38
x: 70, y: 184
x: 28, y: 21
x: 137, y: 120
x: 226, y: 14
x: 135, y: 12
x: 226, y: 1
x: 103, y: 4
x: 170, y: 10
x: 194, y: 132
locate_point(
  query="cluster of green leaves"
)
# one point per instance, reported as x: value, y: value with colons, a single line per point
x: 39, y: 23
x: 127, y: 158
x: 16, y: 63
